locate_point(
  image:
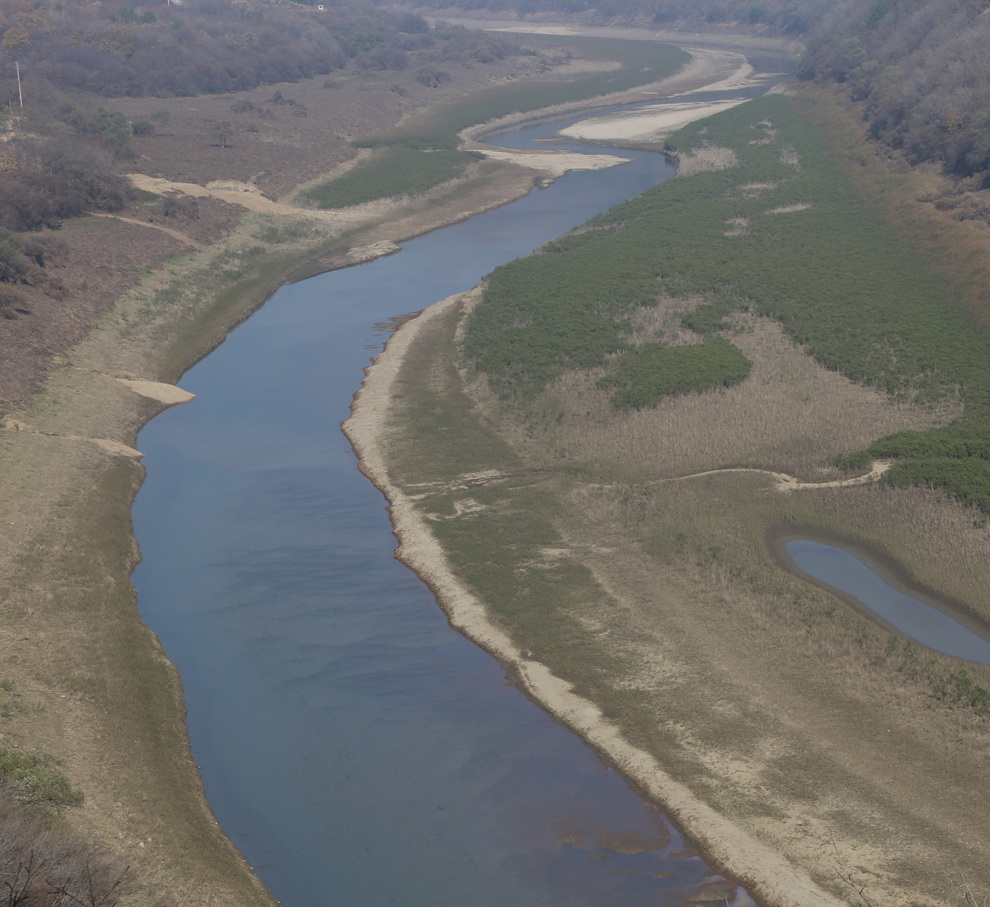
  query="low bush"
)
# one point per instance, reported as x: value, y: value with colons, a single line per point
x: 645, y: 375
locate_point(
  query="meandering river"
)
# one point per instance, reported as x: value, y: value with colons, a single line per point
x: 355, y: 748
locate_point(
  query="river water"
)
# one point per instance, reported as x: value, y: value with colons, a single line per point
x: 355, y: 748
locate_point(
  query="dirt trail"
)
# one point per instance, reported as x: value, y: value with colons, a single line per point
x: 787, y: 483
x: 175, y: 234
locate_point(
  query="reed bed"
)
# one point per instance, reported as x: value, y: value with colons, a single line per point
x: 791, y: 415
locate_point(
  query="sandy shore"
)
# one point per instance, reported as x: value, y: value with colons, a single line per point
x: 766, y: 874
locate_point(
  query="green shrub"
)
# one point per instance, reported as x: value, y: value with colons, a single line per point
x: 647, y: 374
x: 38, y: 786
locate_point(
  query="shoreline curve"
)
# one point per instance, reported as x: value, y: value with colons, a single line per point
x: 767, y: 875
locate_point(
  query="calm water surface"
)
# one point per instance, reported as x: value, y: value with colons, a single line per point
x: 905, y: 613
x: 355, y: 748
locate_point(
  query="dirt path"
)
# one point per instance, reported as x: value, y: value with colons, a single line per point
x: 787, y: 483
x: 175, y: 234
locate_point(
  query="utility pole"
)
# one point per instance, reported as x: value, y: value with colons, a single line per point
x: 20, y: 96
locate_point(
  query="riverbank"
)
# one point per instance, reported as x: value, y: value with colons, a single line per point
x: 766, y: 874
x: 84, y: 679
x: 637, y: 592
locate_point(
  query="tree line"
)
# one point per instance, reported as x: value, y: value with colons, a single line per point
x: 121, y: 48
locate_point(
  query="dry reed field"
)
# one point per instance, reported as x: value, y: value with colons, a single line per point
x: 782, y: 418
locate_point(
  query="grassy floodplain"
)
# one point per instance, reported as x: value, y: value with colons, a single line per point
x: 623, y: 540
x: 422, y: 151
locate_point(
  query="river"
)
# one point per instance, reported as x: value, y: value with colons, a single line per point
x: 355, y: 748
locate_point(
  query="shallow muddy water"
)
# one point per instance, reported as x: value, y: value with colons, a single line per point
x: 355, y: 748
x: 912, y: 614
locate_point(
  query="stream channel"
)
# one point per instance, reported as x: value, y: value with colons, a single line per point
x: 355, y: 748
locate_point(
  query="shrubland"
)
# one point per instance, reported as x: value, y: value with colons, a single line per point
x: 782, y: 235
x: 42, y: 863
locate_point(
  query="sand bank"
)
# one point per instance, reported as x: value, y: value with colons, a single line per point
x: 721, y: 70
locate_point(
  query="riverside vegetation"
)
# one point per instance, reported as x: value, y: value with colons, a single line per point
x: 882, y: 319
x: 616, y: 524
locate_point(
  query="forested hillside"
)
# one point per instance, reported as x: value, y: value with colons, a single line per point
x: 922, y: 70
x: 120, y: 48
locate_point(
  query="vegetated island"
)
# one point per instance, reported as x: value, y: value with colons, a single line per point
x: 592, y: 453
x: 109, y: 294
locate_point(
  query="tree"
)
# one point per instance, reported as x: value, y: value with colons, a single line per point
x: 15, y: 37
x: 221, y: 131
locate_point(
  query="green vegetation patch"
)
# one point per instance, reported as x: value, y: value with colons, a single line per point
x: 36, y: 783
x: 389, y: 173
x: 782, y: 235
x: 647, y: 374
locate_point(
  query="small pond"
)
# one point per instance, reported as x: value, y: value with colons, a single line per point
x: 936, y: 625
